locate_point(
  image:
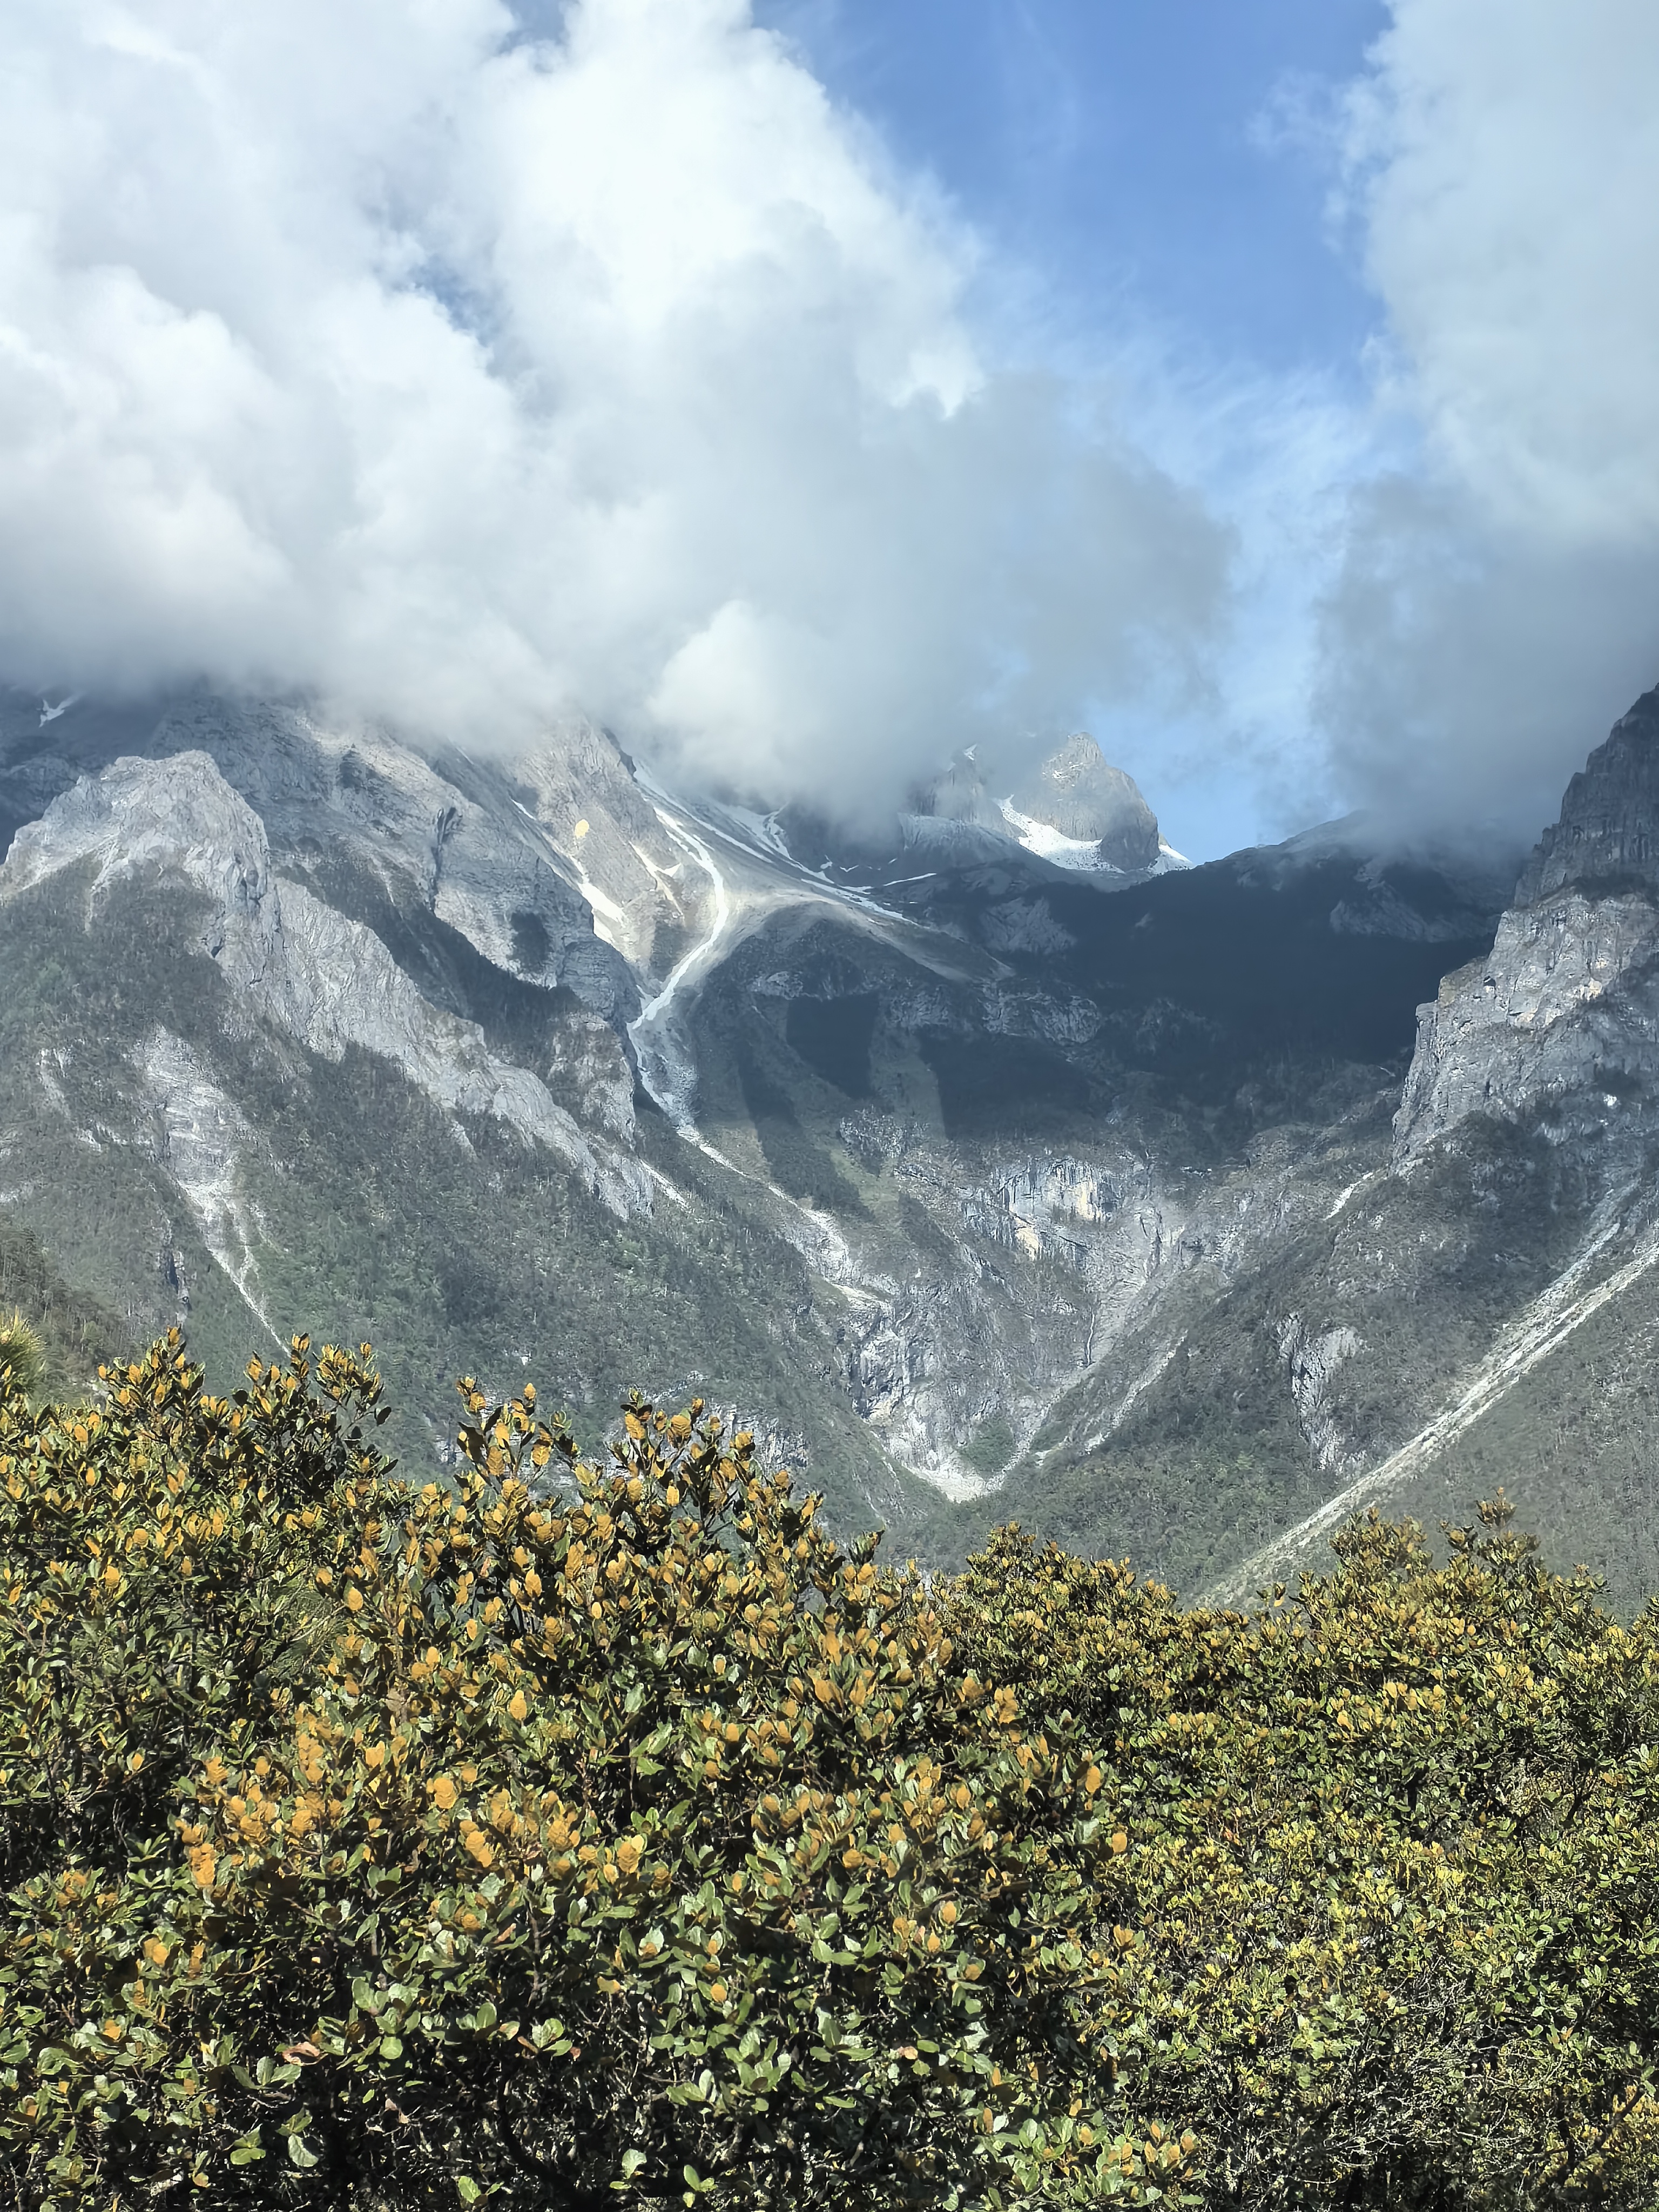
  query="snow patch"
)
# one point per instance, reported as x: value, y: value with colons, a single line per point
x: 1049, y: 844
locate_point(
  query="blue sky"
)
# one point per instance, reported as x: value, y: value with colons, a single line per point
x: 1155, y: 176
x: 1124, y: 149
x: 1363, y: 272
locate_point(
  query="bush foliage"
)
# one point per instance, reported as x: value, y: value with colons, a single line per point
x: 23, y: 1355
x: 575, y: 1835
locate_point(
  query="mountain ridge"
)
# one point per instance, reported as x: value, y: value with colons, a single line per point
x: 985, y: 1187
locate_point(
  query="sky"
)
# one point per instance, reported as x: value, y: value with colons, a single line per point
x: 809, y: 389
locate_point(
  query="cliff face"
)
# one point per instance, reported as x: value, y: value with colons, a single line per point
x: 1081, y: 795
x: 1608, y: 837
x: 1561, y: 1018
x: 326, y: 981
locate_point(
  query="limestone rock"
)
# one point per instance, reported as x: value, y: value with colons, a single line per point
x: 325, y: 980
x: 339, y: 799
x: 1077, y: 793
x: 1562, y: 1017
x: 1608, y: 837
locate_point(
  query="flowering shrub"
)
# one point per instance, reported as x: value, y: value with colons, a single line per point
x: 575, y: 1836
x: 567, y: 1836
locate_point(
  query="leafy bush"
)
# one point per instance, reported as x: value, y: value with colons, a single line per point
x: 1394, y: 1860
x: 581, y: 1836
x: 23, y: 1355
x: 569, y: 1830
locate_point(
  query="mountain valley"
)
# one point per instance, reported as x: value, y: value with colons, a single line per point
x: 996, y: 1164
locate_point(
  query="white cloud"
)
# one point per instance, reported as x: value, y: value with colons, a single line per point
x: 1514, y: 231
x: 1500, y: 604
x: 465, y: 377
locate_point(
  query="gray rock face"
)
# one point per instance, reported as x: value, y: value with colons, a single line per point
x: 1075, y: 809
x: 1079, y: 793
x: 1564, y: 1014
x: 203, y: 1140
x: 1607, y: 836
x: 453, y: 838
x: 960, y: 795
x: 1561, y: 1020
x: 323, y: 979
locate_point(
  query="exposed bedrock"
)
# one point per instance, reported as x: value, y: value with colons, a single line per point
x: 1560, y: 1021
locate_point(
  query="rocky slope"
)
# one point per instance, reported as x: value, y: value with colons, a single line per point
x: 1531, y: 1114
x: 1002, y: 1164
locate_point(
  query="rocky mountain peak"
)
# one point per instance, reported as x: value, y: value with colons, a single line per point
x: 1079, y: 793
x: 1075, y: 809
x: 1608, y: 837
x: 960, y: 795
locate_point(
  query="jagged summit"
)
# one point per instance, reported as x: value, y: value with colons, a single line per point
x: 1079, y: 794
x: 1075, y: 809
x: 1608, y: 837
x: 960, y: 795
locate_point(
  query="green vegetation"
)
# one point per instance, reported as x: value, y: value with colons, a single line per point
x: 802, y: 1167
x: 22, y: 1356
x: 991, y: 1447
x: 1392, y: 1852
x: 581, y: 1834
x: 50, y: 1336
x: 573, y: 1829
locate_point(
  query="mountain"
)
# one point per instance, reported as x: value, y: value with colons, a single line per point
x: 1080, y: 800
x: 1528, y: 1132
x: 993, y: 1163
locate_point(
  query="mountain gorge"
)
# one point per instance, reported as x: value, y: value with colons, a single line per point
x: 993, y: 1162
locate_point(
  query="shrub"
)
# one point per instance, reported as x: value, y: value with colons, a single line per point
x: 22, y: 1356
x: 571, y: 1836
x: 1392, y: 1855
x: 566, y: 1836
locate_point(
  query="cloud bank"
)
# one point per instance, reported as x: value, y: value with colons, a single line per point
x: 1499, y: 605
x: 467, y: 377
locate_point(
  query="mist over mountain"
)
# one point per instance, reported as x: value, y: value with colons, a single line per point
x: 510, y: 363
x: 503, y: 376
